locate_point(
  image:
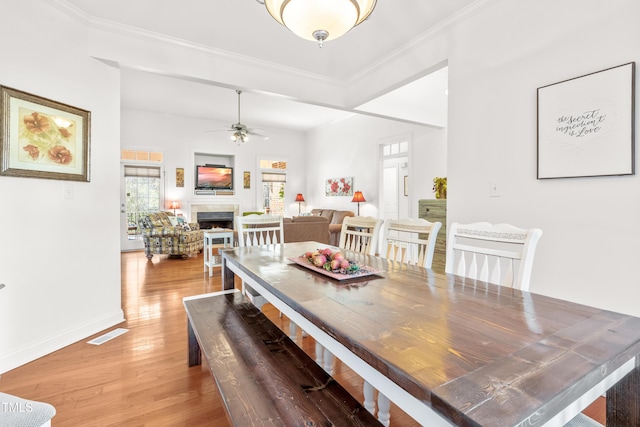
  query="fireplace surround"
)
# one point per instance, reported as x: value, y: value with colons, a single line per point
x: 210, y: 215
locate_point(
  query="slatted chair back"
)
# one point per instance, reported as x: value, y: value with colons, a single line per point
x: 411, y: 240
x: 360, y: 234
x: 497, y: 253
x: 255, y: 230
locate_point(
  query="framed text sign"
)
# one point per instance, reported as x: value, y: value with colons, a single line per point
x: 41, y: 138
x: 586, y: 125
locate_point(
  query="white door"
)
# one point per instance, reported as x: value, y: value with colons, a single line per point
x: 395, y: 204
x: 394, y: 167
x: 390, y: 191
x: 141, y: 193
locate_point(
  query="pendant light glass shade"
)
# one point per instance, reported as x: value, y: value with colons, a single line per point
x: 320, y: 20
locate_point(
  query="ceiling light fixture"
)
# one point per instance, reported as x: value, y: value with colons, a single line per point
x: 319, y: 20
x: 239, y: 136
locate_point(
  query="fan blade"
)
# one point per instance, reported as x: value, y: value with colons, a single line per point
x: 258, y: 134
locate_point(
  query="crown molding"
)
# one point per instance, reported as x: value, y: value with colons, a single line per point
x: 453, y: 21
x: 130, y: 31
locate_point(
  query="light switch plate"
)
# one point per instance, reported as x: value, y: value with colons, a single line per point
x: 68, y: 191
x: 494, y: 189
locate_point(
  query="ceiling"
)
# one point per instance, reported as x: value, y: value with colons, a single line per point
x: 243, y: 28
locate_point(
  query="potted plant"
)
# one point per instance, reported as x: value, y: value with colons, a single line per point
x: 440, y: 187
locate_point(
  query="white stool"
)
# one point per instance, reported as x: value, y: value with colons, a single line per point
x: 17, y: 412
x: 211, y: 260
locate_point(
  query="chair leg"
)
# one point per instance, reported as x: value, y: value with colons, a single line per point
x: 293, y: 331
x: 328, y: 362
x: 369, y: 402
x: 319, y: 354
x: 384, y: 404
x: 383, y: 409
x: 324, y: 358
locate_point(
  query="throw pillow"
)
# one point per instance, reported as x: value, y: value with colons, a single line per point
x: 173, y: 220
x: 180, y: 220
x: 186, y: 227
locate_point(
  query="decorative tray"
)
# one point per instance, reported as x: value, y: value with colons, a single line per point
x: 364, y: 270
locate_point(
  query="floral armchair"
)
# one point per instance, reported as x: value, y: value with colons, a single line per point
x: 163, y: 233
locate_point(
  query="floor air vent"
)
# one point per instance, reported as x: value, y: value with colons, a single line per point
x: 108, y: 336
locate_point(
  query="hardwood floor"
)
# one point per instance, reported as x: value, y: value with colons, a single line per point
x: 141, y: 378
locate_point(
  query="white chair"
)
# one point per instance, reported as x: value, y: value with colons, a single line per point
x: 360, y: 234
x: 255, y: 230
x: 411, y: 241
x: 258, y: 230
x: 500, y: 254
x: 15, y: 411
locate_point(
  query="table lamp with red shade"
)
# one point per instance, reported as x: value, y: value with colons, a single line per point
x: 299, y: 199
x: 358, y: 198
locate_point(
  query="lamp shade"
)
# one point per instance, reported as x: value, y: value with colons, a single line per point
x: 299, y: 197
x: 358, y: 197
x: 320, y: 20
x: 174, y: 205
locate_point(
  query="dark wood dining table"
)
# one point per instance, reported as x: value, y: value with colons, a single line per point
x: 453, y: 351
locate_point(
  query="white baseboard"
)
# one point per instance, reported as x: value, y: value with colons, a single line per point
x: 46, y: 346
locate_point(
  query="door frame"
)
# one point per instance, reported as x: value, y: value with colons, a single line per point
x: 126, y: 244
x: 403, y: 165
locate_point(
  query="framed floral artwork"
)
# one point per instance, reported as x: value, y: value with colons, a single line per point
x: 339, y: 186
x: 41, y: 138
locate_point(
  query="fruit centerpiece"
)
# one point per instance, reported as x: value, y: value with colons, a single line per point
x: 332, y: 261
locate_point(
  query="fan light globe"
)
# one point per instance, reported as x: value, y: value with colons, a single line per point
x: 320, y: 20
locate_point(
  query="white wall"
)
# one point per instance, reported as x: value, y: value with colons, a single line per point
x: 497, y: 60
x: 349, y: 148
x: 58, y: 257
x: 60, y: 261
x: 181, y: 137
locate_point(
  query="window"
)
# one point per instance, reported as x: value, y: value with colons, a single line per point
x: 142, y: 195
x: 395, y: 148
x: 274, y: 178
x: 144, y: 156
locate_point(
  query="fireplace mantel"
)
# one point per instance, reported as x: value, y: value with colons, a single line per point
x: 213, y: 207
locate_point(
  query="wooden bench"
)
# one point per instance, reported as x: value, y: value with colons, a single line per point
x: 264, y: 378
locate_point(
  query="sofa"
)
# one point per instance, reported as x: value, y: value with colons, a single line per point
x: 306, y: 228
x: 335, y: 218
x: 164, y: 233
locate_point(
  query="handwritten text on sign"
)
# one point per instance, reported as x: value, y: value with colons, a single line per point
x: 581, y: 125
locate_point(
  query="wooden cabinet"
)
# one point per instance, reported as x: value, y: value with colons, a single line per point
x: 435, y: 210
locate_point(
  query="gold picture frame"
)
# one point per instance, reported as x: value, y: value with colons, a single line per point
x: 42, y: 138
x: 179, y: 177
x: 247, y: 179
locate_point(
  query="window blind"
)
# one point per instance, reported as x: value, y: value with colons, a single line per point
x: 142, y: 171
x: 274, y: 177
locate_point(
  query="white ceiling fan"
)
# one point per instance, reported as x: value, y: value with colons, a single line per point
x: 240, y: 132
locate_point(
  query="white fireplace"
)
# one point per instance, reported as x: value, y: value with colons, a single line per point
x: 212, y: 207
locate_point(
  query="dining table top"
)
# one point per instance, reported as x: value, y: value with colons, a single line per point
x: 476, y: 353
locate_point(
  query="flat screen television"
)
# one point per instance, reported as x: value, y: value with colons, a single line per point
x: 214, y: 177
